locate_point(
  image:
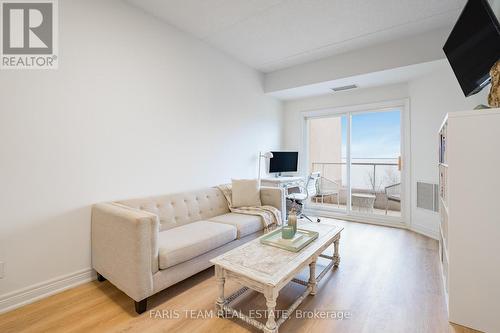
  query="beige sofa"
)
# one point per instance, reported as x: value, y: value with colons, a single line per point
x: 143, y: 246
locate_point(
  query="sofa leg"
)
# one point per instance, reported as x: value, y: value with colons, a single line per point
x: 140, y: 307
x: 100, y: 278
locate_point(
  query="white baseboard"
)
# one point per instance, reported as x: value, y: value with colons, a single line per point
x: 38, y: 291
x: 373, y: 220
x: 424, y: 231
x: 359, y: 219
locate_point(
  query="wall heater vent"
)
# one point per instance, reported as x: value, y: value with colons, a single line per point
x: 428, y: 196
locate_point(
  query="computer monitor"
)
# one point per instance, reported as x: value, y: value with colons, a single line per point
x: 284, y: 161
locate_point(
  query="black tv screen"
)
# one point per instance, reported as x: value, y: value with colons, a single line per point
x: 473, y: 46
x: 283, y: 161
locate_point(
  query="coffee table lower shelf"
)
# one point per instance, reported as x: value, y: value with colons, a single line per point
x: 272, y: 325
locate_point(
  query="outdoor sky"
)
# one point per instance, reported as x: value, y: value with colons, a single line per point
x: 373, y: 135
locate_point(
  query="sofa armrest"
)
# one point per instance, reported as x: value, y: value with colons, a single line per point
x: 274, y: 196
x: 125, y: 247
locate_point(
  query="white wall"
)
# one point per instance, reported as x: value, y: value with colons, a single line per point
x: 136, y: 108
x: 495, y: 6
x: 431, y: 97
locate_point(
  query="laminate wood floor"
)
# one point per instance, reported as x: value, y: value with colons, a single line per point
x: 388, y: 281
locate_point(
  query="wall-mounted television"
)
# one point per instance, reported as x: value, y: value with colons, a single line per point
x: 473, y: 46
x: 284, y: 161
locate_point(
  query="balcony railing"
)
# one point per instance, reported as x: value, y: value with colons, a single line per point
x: 366, y: 177
x: 371, y: 168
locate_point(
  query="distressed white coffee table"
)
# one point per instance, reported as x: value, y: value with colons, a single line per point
x: 267, y: 269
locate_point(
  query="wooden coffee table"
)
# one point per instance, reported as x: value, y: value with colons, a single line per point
x: 267, y: 269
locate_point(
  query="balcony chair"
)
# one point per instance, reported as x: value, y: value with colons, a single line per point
x: 326, y: 188
x: 392, y: 193
x: 306, y: 191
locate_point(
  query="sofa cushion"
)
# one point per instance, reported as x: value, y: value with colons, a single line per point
x: 187, y: 241
x: 245, y: 193
x: 178, y: 209
x: 245, y: 224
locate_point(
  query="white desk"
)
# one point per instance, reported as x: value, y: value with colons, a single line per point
x: 283, y: 182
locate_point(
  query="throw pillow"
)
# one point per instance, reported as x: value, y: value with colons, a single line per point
x: 245, y: 193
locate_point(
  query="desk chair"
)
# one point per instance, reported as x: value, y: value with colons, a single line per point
x: 309, y: 190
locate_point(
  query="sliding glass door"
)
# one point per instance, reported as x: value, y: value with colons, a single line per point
x: 358, y: 155
x: 375, y: 167
x: 327, y: 155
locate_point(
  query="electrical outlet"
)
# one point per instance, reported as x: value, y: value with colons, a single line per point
x: 2, y: 264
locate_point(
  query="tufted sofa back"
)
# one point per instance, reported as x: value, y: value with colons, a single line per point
x: 178, y: 209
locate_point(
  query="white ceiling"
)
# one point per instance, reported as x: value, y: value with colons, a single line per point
x: 273, y: 34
